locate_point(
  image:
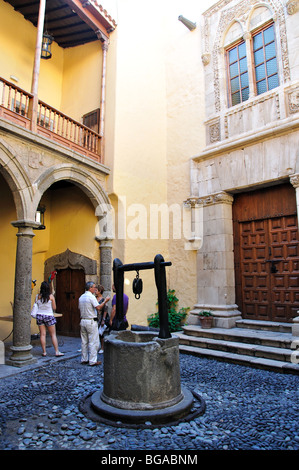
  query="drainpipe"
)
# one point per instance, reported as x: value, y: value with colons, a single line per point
x: 36, y: 66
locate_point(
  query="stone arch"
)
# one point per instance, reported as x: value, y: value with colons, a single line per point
x: 17, y: 180
x: 234, y: 31
x: 78, y: 176
x: 254, y: 15
x: 69, y: 259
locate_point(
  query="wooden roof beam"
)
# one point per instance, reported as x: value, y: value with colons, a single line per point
x: 91, y: 15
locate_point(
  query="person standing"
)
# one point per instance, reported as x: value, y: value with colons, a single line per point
x: 103, y: 317
x: 124, y: 322
x: 45, y: 317
x: 89, y: 324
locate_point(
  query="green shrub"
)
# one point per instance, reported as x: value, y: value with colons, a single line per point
x: 175, y: 318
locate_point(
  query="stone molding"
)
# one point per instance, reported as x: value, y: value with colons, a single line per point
x: 217, y: 198
x: 69, y: 259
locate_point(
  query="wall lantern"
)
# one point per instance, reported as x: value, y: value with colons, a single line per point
x: 40, y: 217
x: 46, y: 46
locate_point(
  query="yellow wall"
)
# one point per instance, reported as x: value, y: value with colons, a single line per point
x: 185, y: 132
x: 17, y: 46
x: 7, y: 256
x: 17, y: 43
x: 137, y: 149
x: 70, y: 221
x: 70, y: 81
x: 154, y: 125
x: 82, y: 70
x: 70, y: 224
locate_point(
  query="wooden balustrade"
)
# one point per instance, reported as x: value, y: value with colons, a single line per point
x: 16, y: 105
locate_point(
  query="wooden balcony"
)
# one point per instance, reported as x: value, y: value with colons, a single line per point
x: 16, y: 105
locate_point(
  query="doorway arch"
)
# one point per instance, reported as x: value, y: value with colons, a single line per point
x: 81, y: 178
x: 73, y: 270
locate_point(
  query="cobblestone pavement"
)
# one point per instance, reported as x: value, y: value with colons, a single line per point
x: 246, y: 409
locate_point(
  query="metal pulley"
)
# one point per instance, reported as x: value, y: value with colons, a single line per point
x: 137, y: 286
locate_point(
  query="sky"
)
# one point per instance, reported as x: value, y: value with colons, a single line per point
x: 188, y: 8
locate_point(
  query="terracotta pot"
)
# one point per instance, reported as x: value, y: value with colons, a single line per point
x: 206, y: 322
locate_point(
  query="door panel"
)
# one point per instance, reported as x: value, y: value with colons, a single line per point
x: 254, y: 279
x: 69, y: 287
x: 267, y: 254
x: 285, y: 281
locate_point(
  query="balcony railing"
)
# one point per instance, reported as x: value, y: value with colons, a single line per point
x: 16, y: 105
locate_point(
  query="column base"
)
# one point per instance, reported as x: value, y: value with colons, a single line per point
x: 295, y: 326
x: 21, y: 356
x: 224, y: 316
x: 2, y: 353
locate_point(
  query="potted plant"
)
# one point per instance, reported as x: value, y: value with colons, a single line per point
x: 175, y: 318
x: 206, y: 319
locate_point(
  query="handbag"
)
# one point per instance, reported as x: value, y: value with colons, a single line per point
x: 102, y: 330
x: 34, y: 310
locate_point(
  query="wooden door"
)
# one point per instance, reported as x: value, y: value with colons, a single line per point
x: 69, y: 286
x: 267, y: 254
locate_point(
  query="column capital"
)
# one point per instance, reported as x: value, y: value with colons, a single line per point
x: 25, y: 224
x: 294, y: 179
x: 104, y: 242
x: 216, y: 198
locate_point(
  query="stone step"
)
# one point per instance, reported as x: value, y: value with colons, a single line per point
x: 242, y: 335
x: 250, y: 343
x: 265, y: 325
x: 248, y: 349
x: 241, y: 359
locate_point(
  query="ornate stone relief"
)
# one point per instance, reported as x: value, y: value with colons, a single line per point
x: 214, y: 132
x: 295, y: 180
x: 218, y: 198
x: 206, y: 58
x: 293, y: 101
x: 292, y: 6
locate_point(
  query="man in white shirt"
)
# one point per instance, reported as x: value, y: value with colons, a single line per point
x: 89, y: 324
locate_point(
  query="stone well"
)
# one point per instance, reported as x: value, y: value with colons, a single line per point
x: 141, y: 379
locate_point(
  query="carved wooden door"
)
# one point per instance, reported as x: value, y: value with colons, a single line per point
x: 69, y: 286
x: 267, y: 254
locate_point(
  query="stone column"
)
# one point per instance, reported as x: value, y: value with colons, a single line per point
x: 294, y: 179
x: 295, y: 182
x: 106, y: 264
x: 215, y: 263
x: 21, y: 349
x: 250, y: 67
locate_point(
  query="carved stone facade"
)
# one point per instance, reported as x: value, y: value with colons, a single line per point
x: 250, y: 145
